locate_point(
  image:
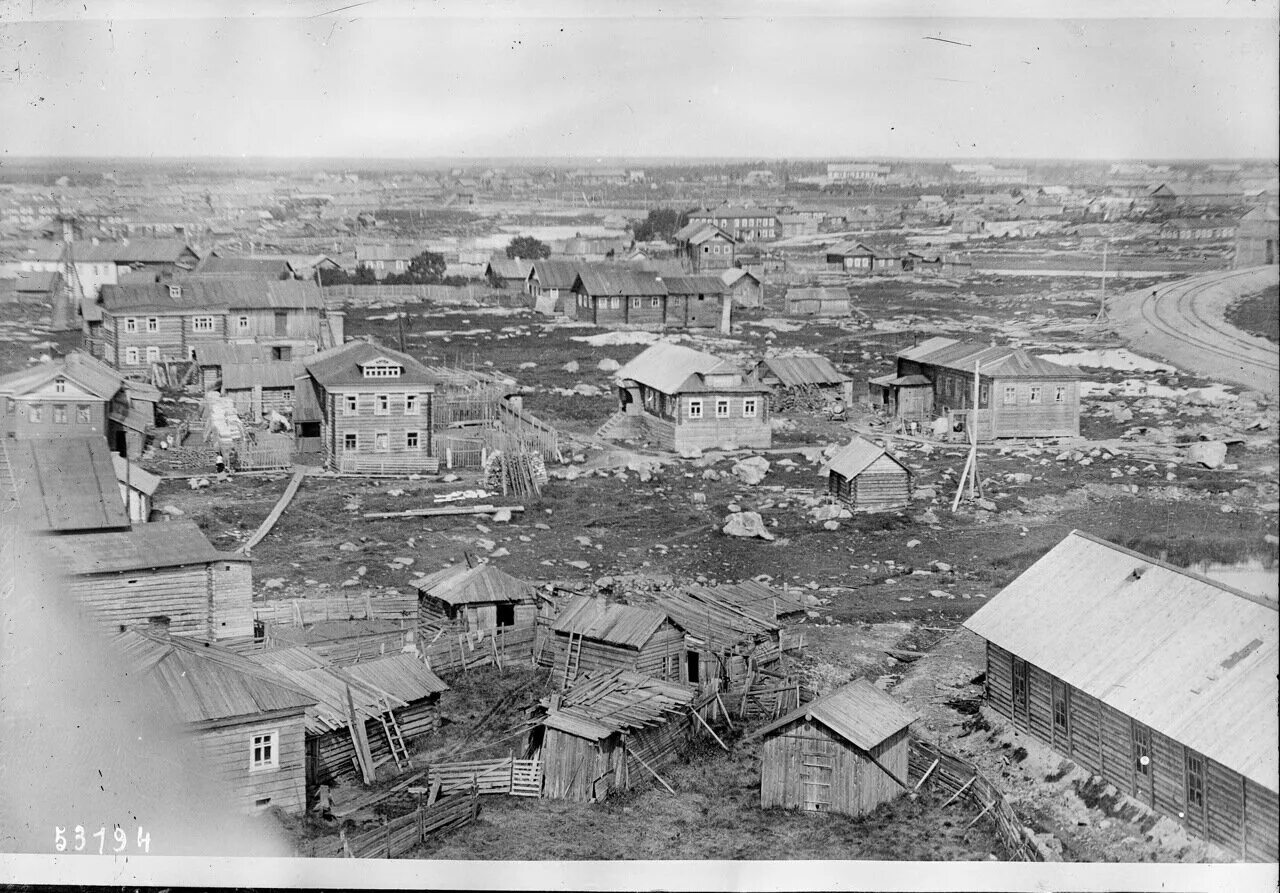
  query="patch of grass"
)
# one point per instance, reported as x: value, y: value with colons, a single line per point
x: 1258, y: 314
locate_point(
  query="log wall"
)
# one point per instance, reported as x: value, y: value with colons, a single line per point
x: 227, y: 751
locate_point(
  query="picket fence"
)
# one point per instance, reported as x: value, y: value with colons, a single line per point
x: 408, y: 831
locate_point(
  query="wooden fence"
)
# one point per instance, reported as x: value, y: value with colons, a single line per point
x: 404, y: 833
x: 261, y: 458
x: 337, y: 295
x: 299, y: 611
x: 388, y: 464
x: 447, y: 650
x: 518, y: 778
x: 957, y: 778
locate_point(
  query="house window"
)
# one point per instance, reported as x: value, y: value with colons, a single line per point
x: 983, y: 395
x: 153, y: 323
x: 82, y: 415
x: 264, y: 751
x: 36, y: 413
x: 130, y: 325
x: 242, y: 323
x: 1010, y: 396
x: 59, y: 414
x: 131, y: 356
x: 749, y: 408
x: 10, y: 405
x: 635, y: 303
x: 615, y: 302
x: 1035, y: 394
x: 382, y: 442
x: 1195, y: 781
x: 349, y: 404
x: 350, y: 443
x: 695, y: 409
x: 60, y: 385
x: 382, y: 404
x: 1060, y: 394
x: 410, y: 404
x: 382, y: 369
x: 411, y: 440
x: 1141, y: 750
x: 722, y: 408
x: 654, y: 302
x: 153, y: 354
x: 202, y: 323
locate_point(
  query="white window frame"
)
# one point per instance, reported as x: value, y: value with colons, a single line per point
x: 153, y: 354
x: 131, y: 356
x: 635, y: 302
x: 350, y: 442
x: 130, y: 324
x: 1010, y: 395
x: 84, y: 415
x: 694, y: 409
x: 615, y: 303
x: 269, y: 742
x: 410, y: 404
x: 722, y: 407
x: 1034, y: 394
x: 412, y: 436
x: 35, y: 414
x: 385, y: 438
x: 750, y: 407
x: 202, y: 323
x: 59, y: 385
x: 655, y: 301
x: 153, y: 324
x: 59, y: 410
x: 382, y: 404
x: 350, y: 404
x: 242, y: 323
x: 1060, y: 394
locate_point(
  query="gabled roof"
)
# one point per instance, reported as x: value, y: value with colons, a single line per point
x: 194, y: 294
x: 599, y: 704
x: 694, y: 285
x: 666, y: 367
x: 78, y: 367
x: 64, y: 484
x: 508, y: 267
x: 557, y: 273
x: 851, y: 460
x: 601, y: 281
x: 146, y: 546
x: 698, y: 231
x: 342, y: 366
x: 262, y: 267
x: 197, y: 682
x: 611, y: 622
x: 731, y: 276
x: 138, y: 477
x: 711, y: 619
x: 482, y: 584
x: 808, y: 369
x: 141, y: 251
x: 996, y: 362
x: 1191, y: 658
x: 858, y: 712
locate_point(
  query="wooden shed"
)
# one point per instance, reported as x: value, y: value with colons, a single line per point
x: 467, y: 599
x: 868, y: 478
x: 596, y: 634
x: 844, y: 752
x: 1159, y: 680
x: 608, y: 732
x: 722, y: 642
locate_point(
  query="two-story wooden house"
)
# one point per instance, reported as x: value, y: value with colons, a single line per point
x: 685, y: 399
x: 375, y: 408
x: 704, y: 246
x: 743, y: 224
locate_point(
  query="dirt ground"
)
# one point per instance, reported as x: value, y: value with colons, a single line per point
x: 1258, y: 314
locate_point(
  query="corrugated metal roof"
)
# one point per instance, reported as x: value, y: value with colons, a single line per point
x: 808, y: 369
x: 599, y: 704
x: 1193, y: 659
x: 1002, y: 362
x: 198, y: 682
x: 213, y: 294
x: 665, y: 366
x: 137, y: 476
x: 341, y: 366
x: 852, y: 460
x: 161, y: 544
x: 858, y: 712
x: 610, y: 622
x: 619, y: 280
x: 64, y: 484
x: 482, y: 584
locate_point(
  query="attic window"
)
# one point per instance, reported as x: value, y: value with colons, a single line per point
x: 175, y: 291
x: 382, y: 368
x: 60, y: 385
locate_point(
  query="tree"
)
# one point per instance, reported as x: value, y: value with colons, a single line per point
x: 528, y: 248
x: 662, y: 223
x: 338, y: 276
x: 426, y: 268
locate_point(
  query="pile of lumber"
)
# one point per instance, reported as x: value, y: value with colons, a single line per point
x: 800, y: 398
x: 517, y: 473
x: 404, y: 833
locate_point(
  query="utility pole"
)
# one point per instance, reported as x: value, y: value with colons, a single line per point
x: 1102, y: 294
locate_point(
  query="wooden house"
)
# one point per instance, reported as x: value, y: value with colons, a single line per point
x: 385, y: 259
x: 818, y: 301
x: 844, y: 752
x: 550, y: 284
x: 693, y: 302
x: 213, y: 357
x: 65, y: 486
x: 705, y: 247
x: 1159, y: 680
x: 683, y: 398
x: 259, y: 389
x: 858, y: 257
x: 126, y: 578
x: 247, y: 724
x: 1019, y: 394
x: 611, y: 731
x: 396, y: 698
x: 375, y: 408
x: 137, y: 488
x: 742, y: 287
x: 245, y: 266
x: 1257, y: 238
x: 508, y: 272
x: 597, y: 634
x: 868, y: 478
x: 618, y: 295
x: 742, y: 223
x: 722, y: 642
x: 467, y: 599
x: 805, y: 372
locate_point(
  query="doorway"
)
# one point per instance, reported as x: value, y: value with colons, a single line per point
x: 506, y: 614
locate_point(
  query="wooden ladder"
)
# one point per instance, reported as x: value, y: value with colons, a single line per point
x: 572, y: 659
x: 395, y: 740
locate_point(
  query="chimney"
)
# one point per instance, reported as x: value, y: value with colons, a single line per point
x: 602, y: 603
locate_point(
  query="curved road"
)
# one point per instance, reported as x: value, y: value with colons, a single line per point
x: 1183, y: 323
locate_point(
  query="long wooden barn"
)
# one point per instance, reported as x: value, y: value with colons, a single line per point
x: 868, y: 478
x: 596, y: 634
x: 843, y: 752
x: 467, y: 599
x: 1159, y: 680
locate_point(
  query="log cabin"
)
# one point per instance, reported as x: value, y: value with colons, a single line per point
x: 684, y: 399
x: 722, y: 642
x: 1019, y: 394
x: 471, y: 599
x: 611, y: 731
x: 247, y: 723
x: 742, y: 287
x: 818, y: 301
x: 844, y: 752
x: 1159, y: 680
x: 867, y: 478
x: 597, y: 634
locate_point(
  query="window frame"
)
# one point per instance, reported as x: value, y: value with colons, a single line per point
x: 382, y: 404
x: 750, y: 407
x: 131, y: 356
x: 410, y: 404
x: 153, y: 324
x: 269, y: 743
x: 131, y: 325
x: 723, y: 405
x: 153, y: 353
x: 1010, y: 395
x: 1034, y: 393
x: 635, y: 302
x: 350, y: 442
x: 58, y: 415
x: 693, y: 409
x: 35, y: 413
x: 350, y: 404
x: 242, y: 323
x: 59, y: 385
x: 202, y: 324
x: 382, y: 441
x: 84, y: 415
x: 1060, y: 394
x: 412, y: 441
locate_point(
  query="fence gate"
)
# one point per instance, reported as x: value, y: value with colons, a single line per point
x: 817, y: 768
x: 526, y: 778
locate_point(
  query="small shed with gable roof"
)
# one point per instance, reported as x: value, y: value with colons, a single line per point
x: 867, y: 477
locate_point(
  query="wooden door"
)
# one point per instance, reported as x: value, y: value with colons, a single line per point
x: 1021, y: 717
x: 1143, y: 766
x: 1061, y: 716
x: 1194, y: 781
x: 817, y: 771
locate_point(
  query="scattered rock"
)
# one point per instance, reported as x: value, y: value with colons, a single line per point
x: 395, y: 492
x: 752, y: 469
x: 502, y: 516
x: 500, y: 553
x: 274, y: 583
x: 986, y: 505
x: 1210, y: 454
x: 485, y: 545
x: 747, y: 524
x: 691, y: 453
x: 1018, y: 477
x: 829, y: 512
x: 571, y: 366
x: 911, y: 544
x: 580, y: 565
x: 361, y: 571
x: 348, y: 547
x: 608, y: 365
x: 172, y: 510
x: 831, y: 525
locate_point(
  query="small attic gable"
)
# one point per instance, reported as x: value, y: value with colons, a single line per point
x: 381, y: 368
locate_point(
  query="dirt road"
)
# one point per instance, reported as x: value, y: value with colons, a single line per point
x: 1183, y: 322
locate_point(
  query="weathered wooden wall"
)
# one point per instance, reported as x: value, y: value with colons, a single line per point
x: 182, y: 594
x: 226, y: 749
x: 857, y: 785
x: 335, y: 753
x: 232, y: 599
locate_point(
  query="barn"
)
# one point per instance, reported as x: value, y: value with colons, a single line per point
x: 596, y: 634
x: 805, y: 373
x: 722, y: 642
x: 1159, y: 680
x: 867, y: 478
x: 608, y: 732
x: 470, y: 599
x: 843, y: 752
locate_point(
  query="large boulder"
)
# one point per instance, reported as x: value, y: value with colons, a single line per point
x: 748, y: 524
x: 1209, y: 453
x: 608, y: 365
x: 752, y: 469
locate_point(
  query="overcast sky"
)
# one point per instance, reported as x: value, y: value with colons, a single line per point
x: 811, y: 79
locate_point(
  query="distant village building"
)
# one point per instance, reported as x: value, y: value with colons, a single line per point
x: 805, y: 372
x: 857, y: 172
x: 1198, y: 229
x: 550, y: 284
x: 1257, y: 237
x: 1019, y: 395
x: 742, y: 224
x: 593, y: 634
x: 743, y: 287
x: 818, y: 301
x: 386, y: 259
x: 508, y: 272
x: 858, y: 257
x: 685, y: 399
x: 868, y: 478
x: 623, y: 295
x: 844, y: 752
x: 474, y: 599
x: 1159, y: 680
x: 1200, y: 195
x: 704, y: 247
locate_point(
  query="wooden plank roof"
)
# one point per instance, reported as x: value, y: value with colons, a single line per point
x: 805, y: 369
x: 482, y: 584
x: 557, y: 272
x: 666, y: 367
x: 138, y: 477
x: 993, y: 361
x: 602, y: 703
x: 707, y: 617
x: 1191, y: 658
x: 859, y: 712
x: 618, y: 280
x: 341, y: 366
x: 212, y: 294
x: 617, y: 624
x: 78, y: 367
x: 64, y: 484
x: 854, y: 458
x: 162, y: 544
